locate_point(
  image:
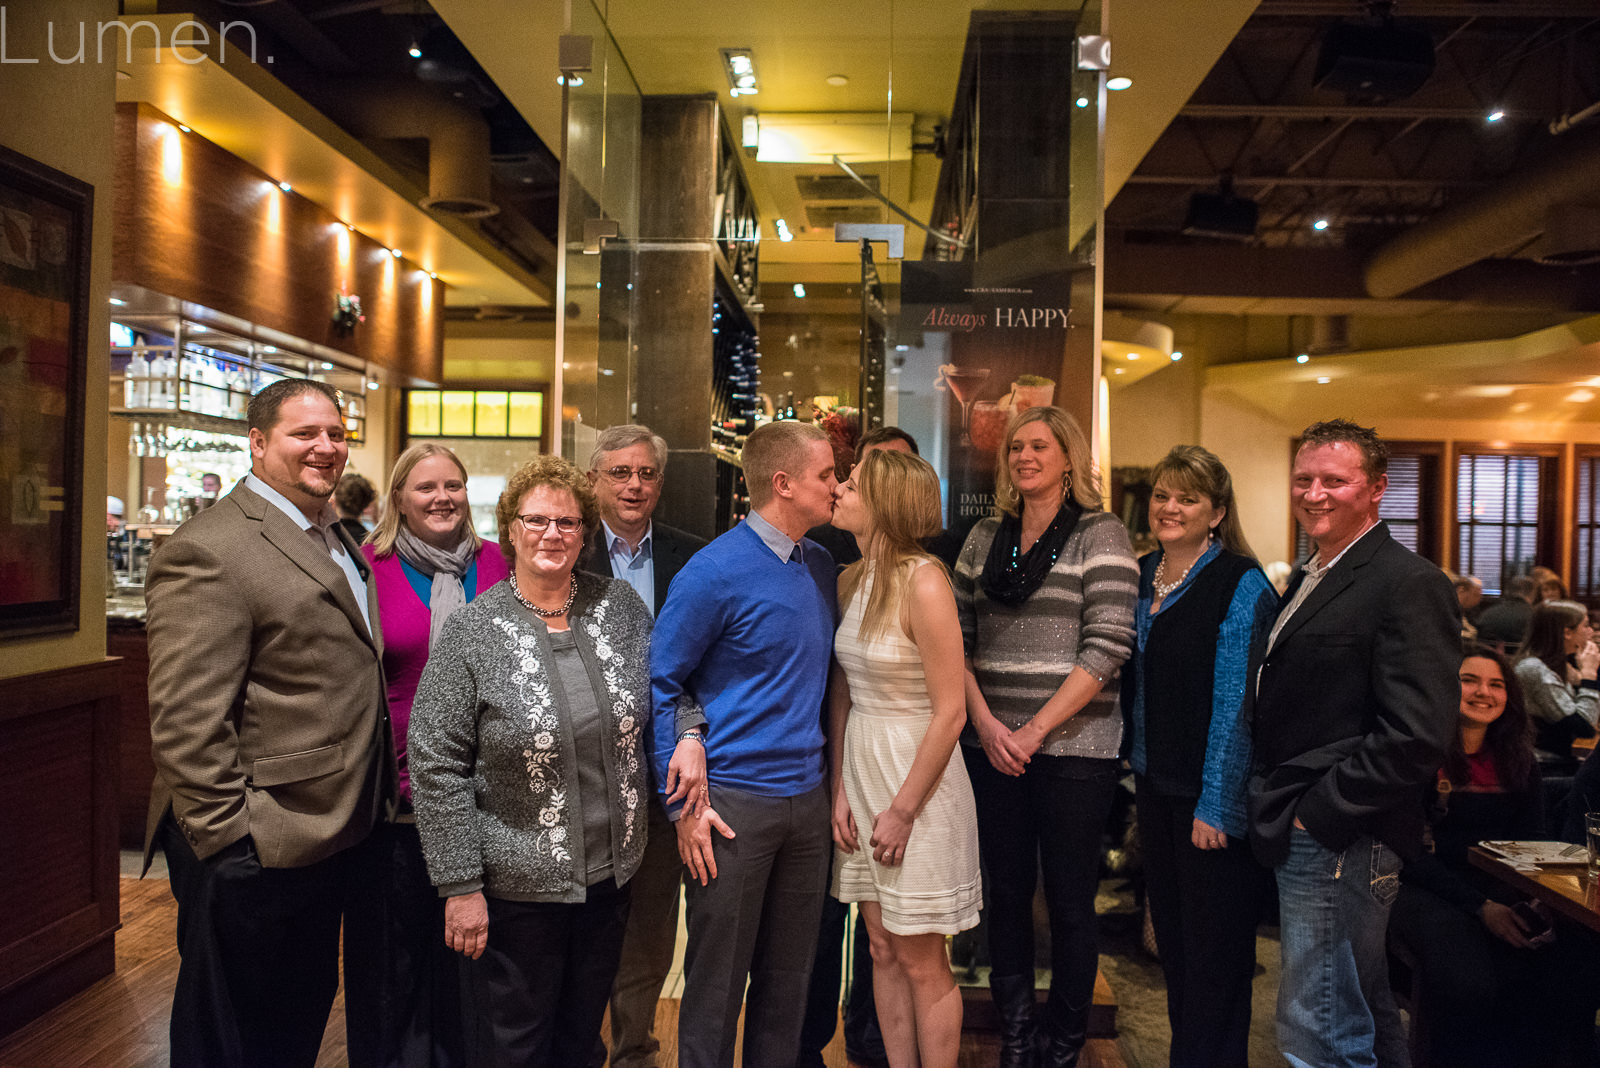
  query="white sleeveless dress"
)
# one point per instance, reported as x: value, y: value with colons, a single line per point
x: 937, y: 888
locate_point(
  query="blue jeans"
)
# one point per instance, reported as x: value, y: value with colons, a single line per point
x: 1335, y: 1008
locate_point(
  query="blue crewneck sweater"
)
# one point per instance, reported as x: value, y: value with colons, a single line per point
x: 750, y: 637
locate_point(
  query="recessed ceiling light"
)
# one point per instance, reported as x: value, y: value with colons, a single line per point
x: 326, y: 366
x: 1494, y: 116
x: 414, y: 51
x: 285, y: 186
x: 1119, y: 83
x: 837, y: 80
x: 740, y: 66
x: 184, y: 128
x: 1082, y: 101
x: 395, y: 253
x: 1302, y: 358
x: 1116, y: 370
x: 1133, y: 355
x: 1320, y: 224
x: 799, y: 289
x: 1324, y: 380
x: 118, y: 301
x: 1176, y: 356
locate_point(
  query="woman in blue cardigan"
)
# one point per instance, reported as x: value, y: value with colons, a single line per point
x: 1203, y: 599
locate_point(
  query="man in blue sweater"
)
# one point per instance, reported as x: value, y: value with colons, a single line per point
x: 747, y: 630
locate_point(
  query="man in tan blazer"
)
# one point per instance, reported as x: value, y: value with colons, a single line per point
x: 271, y: 739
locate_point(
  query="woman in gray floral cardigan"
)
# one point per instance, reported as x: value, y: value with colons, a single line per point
x: 528, y: 773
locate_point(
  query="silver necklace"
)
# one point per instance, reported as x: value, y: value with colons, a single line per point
x: 546, y: 613
x: 1163, y: 588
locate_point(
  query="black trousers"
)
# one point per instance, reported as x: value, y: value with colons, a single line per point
x: 259, y: 953
x: 403, y: 999
x: 1204, y: 905
x: 1489, y: 1003
x: 537, y: 995
x: 1051, y: 817
x: 862, y: 1038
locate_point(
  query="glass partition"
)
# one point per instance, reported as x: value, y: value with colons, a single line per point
x: 600, y: 219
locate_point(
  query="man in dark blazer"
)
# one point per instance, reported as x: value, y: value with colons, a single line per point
x: 626, y: 469
x: 1355, y: 700
x: 270, y: 732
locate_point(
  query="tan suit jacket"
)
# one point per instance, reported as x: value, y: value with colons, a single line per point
x: 268, y: 708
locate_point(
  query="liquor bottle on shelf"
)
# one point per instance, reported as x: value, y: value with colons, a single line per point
x: 136, y: 382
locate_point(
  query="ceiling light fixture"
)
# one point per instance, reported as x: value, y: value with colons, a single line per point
x: 1494, y: 116
x: 118, y: 301
x: 1324, y: 380
x: 799, y: 289
x: 1082, y: 101
x: 1320, y: 224
x: 184, y: 128
x: 395, y: 253
x: 1302, y: 358
x: 837, y: 80
x: 783, y: 230
x: 1133, y: 355
x: 1119, y: 83
x: 1176, y: 356
x: 740, y: 64
x: 571, y: 81
x: 415, y: 51
x: 285, y: 186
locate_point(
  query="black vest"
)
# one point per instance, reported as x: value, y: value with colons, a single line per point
x: 1177, y: 672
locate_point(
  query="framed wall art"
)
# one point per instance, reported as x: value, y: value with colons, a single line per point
x: 44, y: 311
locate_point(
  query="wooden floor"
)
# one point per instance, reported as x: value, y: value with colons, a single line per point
x: 121, y: 1021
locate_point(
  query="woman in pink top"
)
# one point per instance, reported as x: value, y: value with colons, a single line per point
x: 427, y: 562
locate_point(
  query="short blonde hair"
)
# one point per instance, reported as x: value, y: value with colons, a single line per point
x: 1083, y: 482
x: 773, y: 447
x: 552, y: 471
x: 387, y: 531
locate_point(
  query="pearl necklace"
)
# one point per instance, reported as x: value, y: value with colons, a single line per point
x: 1163, y: 588
x: 545, y: 613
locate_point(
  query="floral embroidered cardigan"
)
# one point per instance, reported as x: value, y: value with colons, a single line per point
x: 492, y: 748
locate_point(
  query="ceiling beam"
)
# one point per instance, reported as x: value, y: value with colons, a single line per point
x: 1309, y: 181
x: 1320, y: 112
x: 1446, y: 9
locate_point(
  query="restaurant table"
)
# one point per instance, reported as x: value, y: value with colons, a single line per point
x: 1565, y: 888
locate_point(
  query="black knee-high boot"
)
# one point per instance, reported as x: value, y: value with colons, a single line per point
x: 1013, y: 996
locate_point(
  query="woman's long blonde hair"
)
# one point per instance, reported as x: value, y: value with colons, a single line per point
x: 383, y: 535
x: 900, y: 492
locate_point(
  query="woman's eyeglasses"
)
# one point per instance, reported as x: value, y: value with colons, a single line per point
x: 566, y: 525
x: 622, y: 473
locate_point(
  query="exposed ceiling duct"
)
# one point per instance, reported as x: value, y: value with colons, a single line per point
x: 1500, y: 221
x: 457, y: 136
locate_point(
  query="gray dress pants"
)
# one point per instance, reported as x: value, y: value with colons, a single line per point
x: 758, y: 918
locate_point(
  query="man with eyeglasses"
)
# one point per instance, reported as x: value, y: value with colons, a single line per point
x: 627, y: 469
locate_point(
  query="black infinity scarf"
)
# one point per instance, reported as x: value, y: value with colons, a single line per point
x: 1009, y: 575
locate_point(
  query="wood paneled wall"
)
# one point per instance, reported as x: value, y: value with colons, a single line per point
x: 195, y: 222
x: 59, y: 736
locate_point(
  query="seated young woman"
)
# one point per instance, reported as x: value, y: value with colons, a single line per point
x: 1501, y: 983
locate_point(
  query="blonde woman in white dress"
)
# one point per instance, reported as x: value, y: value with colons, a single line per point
x: 897, y: 708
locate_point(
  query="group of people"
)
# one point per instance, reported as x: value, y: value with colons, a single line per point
x: 493, y: 765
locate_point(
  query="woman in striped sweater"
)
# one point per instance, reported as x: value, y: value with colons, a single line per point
x: 1046, y: 592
